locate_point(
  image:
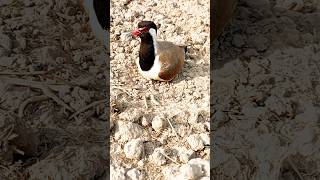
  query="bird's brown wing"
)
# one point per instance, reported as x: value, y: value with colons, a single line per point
x: 171, y: 58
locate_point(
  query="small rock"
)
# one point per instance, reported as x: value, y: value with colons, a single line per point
x: 133, y: 149
x: 157, y: 123
x: 120, y: 57
x: 205, y: 178
x: 127, y: 131
x: 134, y: 174
x: 117, y: 173
x: 185, y: 154
x: 204, y: 164
x: 131, y: 114
x: 145, y: 122
x: 170, y: 172
x: 6, y: 42
x: 205, y: 138
x: 195, y: 142
x: 157, y: 157
x: 141, y: 163
x: 190, y: 171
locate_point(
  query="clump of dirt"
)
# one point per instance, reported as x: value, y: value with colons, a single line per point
x: 52, y: 90
x: 266, y: 92
x: 158, y: 127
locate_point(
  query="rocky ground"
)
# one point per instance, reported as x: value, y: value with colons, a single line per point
x: 266, y: 92
x: 160, y: 130
x: 52, y: 92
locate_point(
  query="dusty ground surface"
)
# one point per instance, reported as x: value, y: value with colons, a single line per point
x: 153, y: 124
x: 266, y: 92
x: 51, y: 68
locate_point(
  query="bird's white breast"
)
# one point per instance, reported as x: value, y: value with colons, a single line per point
x: 153, y: 73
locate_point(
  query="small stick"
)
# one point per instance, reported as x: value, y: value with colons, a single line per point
x: 172, y: 127
x: 169, y: 158
x: 87, y: 107
x: 28, y: 101
x: 145, y: 102
x: 154, y: 100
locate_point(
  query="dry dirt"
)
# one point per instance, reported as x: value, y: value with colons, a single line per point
x: 158, y: 114
x: 266, y: 92
x: 51, y: 68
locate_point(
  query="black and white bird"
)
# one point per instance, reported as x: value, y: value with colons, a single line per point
x: 158, y: 60
x: 98, y: 19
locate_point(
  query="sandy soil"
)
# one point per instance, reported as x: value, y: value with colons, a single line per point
x: 161, y: 115
x: 51, y: 67
x: 266, y: 92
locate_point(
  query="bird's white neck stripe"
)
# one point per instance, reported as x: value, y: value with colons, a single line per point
x: 154, y: 39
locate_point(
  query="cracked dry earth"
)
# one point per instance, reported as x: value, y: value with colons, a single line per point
x: 160, y: 130
x: 266, y: 92
x: 51, y: 68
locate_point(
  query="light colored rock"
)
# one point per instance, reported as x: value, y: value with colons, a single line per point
x: 184, y: 154
x: 158, y: 123
x: 190, y: 172
x: 157, y: 157
x: 135, y: 174
x: 145, y: 121
x: 170, y: 172
x: 195, y: 142
x: 117, y: 173
x: 127, y: 130
x: 204, y: 164
x: 133, y: 149
x: 131, y: 114
x: 205, y: 138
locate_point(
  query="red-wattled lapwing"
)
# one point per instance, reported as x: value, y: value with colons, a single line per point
x: 158, y: 60
x: 98, y: 19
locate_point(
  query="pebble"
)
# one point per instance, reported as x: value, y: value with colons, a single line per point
x: 133, y: 149
x: 117, y: 173
x: 157, y: 157
x: 195, y: 142
x: 205, y: 138
x: 135, y: 174
x: 145, y: 122
x: 131, y: 114
x: 185, y: 154
x: 190, y: 172
x: 205, y: 165
x: 127, y: 131
x: 157, y: 123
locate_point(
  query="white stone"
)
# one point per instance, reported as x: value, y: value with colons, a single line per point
x: 127, y: 130
x: 134, y: 174
x: 205, y: 138
x: 157, y: 123
x: 117, y: 173
x: 131, y: 114
x: 133, y: 149
x: 195, y: 142
x: 184, y: 154
x: 204, y: 164
x: 190, y: 172
x: 157, y: 157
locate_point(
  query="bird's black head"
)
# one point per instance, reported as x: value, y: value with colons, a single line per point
x: 144, y: 27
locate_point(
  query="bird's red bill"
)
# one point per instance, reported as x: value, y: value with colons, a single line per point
x: 139, y: 31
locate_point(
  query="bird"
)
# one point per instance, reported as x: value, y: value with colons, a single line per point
x: 98, y: 19
x: 158, y: 60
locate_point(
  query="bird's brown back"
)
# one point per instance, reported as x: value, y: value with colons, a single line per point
x: 171, y: 58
